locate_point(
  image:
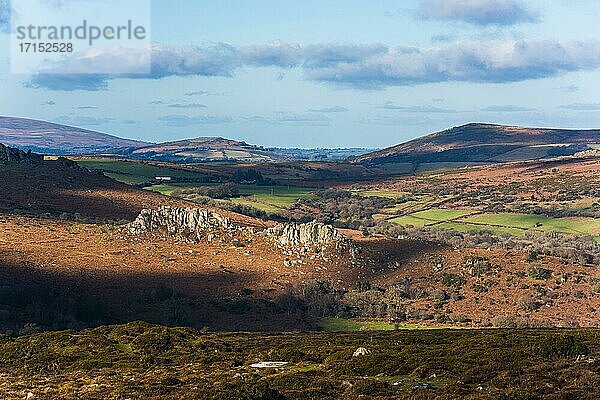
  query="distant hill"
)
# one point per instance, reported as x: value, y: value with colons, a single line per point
x: 220, y: 149
x: 338, y: 154
x: 208, y: 149
x: 55, y: 139
x: 49, y: 138
x: 485, y: 143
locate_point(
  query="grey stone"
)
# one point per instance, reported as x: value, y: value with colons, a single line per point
x: 361, y: 351
x: 10, y: 155
x: 191, y: 223
x: 305, y: 237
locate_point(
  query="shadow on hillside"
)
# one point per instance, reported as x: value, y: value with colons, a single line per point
x: 35, y: 299
x: 386, y: 256
x: 53, y: 189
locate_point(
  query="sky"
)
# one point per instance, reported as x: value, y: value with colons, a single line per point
x: 326, y: 73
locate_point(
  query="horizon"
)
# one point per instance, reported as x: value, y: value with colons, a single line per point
x: 266, y: 146
x: 355, y: 76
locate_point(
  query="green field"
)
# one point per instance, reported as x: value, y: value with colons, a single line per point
x: 461, y: 227
x: 135, y: 172
x: 265, y: 198
x: 168, y: 189
x: 441, y: 214
x: 244, y: 201
x: 271, y: 198
x: 409, y: 220
x: 430, y: 217
x: 277, y: 196
x: 348, y: 325
x: 503, y: 223
x: 581, y: 226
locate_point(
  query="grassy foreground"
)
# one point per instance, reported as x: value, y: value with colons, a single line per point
x: 139, y: 360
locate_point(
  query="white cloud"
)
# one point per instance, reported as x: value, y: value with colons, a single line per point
x: 478, y: 12
x: 327, y: 110
x: 181, y: 121
x: 582, y: 107
x: 415, y: 109
x: 507, y: 108
x: 357, y: 66
x: 83, y: 121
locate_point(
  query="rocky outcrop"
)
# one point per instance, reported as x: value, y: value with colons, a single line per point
x: 198, y: 223
x: 10, y: 155
x: 66, y: 163
x: 311, y: 236
x: 188, y: 223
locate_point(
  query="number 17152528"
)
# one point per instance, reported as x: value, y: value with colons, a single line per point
x: 46, y: 47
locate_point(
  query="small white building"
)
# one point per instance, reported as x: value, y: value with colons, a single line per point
x: 164, y: 178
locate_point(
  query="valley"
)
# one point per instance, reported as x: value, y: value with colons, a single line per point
x: 267, y: 247
x: 278, y: 200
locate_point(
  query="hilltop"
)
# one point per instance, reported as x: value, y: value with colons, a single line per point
x: 49, y: 138
x: 56, y: 139
x: 485, y: 143
x: 208, y: 149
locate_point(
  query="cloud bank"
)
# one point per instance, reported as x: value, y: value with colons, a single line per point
x: 182, y: 121
x: 187, y: 105
x: 291, y: 119
x: 507, y: 108
x: 328, y: 110
x: 83, y: 121
x: 371, y: 66
x: 415, y: 109
x: 477, y: 12
x: 582, y: 107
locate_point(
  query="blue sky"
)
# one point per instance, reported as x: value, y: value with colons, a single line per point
x: 333, y: 73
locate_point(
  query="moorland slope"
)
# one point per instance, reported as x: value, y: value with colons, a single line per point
x: 485, y: 143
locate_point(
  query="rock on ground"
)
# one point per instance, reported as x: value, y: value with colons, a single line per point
x: 192, y: 223
x: 313, y: 235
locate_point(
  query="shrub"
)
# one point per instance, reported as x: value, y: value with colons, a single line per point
x: 224, y: 191
x: 453, y: 280
x: 480, y: 288
x: 558, y: 346
x: 528, y: 303
x: 478, y: 266
x: 532, y: 256
x: 460, y: 318
x: 538, y: 273
x: 30, y: 329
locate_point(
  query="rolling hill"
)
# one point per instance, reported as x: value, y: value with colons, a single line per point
x: 208, y: 149
x: 56, y: 139
x: 485, y: 143
x: 49, y: 138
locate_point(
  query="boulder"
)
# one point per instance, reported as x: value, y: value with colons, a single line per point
x: 269, y: 364
x: 361, y: 351
x: 191, y: 223
x: 10, y: 155
x: 311, y: 236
